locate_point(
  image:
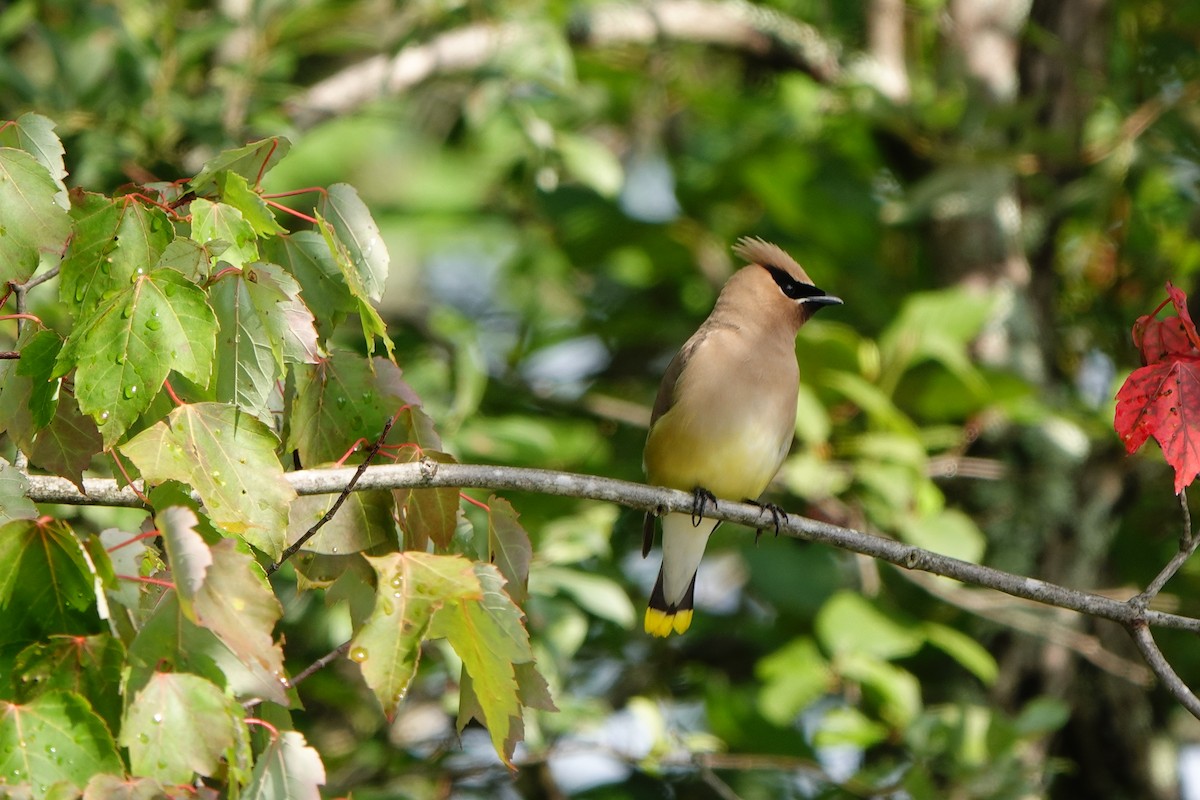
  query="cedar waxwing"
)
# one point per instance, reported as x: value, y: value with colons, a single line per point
x: 725, y: 413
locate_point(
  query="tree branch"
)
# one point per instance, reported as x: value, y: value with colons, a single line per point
x: 428, y: 473
x: 756, y: 30
x: 1188, y: 542
x: 1162, y: 668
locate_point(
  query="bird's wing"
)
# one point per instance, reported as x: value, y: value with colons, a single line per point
x: 666, y: 390
x: 666, y: 399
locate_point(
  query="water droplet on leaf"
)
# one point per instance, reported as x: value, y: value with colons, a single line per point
x: 358, y: 654
x: 130, y: 391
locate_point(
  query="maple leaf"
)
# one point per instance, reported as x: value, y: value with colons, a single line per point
x: 1162, y: 398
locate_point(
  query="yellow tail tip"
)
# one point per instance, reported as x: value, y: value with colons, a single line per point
x: 662, y: 623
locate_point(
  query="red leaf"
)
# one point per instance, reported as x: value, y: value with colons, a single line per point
x: 1159, y: 339
x: 1173, y: 336
x: 1162, y: 399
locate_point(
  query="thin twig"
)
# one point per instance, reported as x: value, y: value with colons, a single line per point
x: 720, y: 787
x: 1188, y: 534
x: 319, y: 664
x: 38, y: 280
x: 1162, y: 668
x: 1188, y: 543
x: 333, y: 509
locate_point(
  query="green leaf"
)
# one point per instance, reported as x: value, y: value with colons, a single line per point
x: 487, y: 634
x: 364, y: 521
x: 790, y: 679
x: 124, y: 350
x: 33, y: 226
x: 813, y: 425
x: 410, y: 587
x: 115, y: 240
x: 1042, y: 716
x: 16, y: 404
x: 359, y: 252
x: 937, y: 326
x: 427, y: 514
x: 965, y: 650
x: 65, y: 441
x: 895, y: 690
x: 236, y: 603
x: 14, y: 495
x: 66, y: 446
x: 187, y: 554
x: 373, y: 327
x: 871, y: 399
x: 344, y: 399
x: 949, y: 532
x: 219, y: 222
x: 186, y: 257
x: 592, y: 163
x: 306, y: 256
x: 287, y: 768
x: 55, y: 737
x: 46, y: 586
x: 251, y: 162
x: 169, y: 640
x: 131, y: 557
x: 355, y: 241
x: 34, y: 134
x: 178, y: 726
x: 38, y: 351
x: 89, y: 666
x: 228, y: 457
x: 848, y: 623
x: 600, y: 596
x: 849, y: 727
x: 263, y: 326
x: 509, y: 548
x: 235, y: 190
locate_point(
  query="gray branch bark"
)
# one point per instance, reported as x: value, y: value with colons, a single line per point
x: 430, y: 474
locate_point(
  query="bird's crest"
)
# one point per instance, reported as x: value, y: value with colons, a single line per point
x: 758, y: 251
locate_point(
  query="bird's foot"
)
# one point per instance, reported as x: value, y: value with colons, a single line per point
x: 776, y: 513
x: 700, y: 498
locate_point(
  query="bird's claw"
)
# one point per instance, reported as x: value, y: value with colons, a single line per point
x: 776, y: 513
x: 700, y: 498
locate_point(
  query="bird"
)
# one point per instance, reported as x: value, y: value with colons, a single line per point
x: 725, y: 414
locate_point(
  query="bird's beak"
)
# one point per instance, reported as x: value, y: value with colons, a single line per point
x: 822, y: 300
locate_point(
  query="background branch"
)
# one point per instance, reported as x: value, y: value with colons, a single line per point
x: 757, y: 31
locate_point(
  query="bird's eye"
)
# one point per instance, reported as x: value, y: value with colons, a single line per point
x: 791, y: 287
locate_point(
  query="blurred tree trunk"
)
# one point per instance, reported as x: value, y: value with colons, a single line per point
x: 1056, y: 516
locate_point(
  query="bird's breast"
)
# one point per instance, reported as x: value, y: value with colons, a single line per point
x: 730, y: 427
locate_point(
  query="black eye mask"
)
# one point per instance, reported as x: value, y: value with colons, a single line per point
x: 797, y: 290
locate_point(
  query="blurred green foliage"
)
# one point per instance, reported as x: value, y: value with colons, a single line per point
x: 558, y: 216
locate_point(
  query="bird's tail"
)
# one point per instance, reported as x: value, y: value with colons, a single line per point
x: 662, y: 617
x: 671, y: 602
